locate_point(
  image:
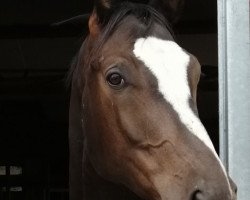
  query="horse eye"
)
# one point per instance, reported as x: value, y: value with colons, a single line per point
x: 115, y: 80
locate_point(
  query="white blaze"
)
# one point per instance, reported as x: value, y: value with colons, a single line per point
x: 168, y: 63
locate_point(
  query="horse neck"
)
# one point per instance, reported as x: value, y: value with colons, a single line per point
x: 97, y: 188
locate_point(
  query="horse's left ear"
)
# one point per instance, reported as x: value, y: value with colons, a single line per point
x: 171, y: 9
x: 102, y: 11
x: 94, y: 26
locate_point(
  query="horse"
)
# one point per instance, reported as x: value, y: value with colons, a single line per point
x: 134, y: 129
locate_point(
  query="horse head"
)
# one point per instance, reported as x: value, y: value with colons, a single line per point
x: 138, y: 106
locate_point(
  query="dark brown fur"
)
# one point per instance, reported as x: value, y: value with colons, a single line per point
x: 129, y: 143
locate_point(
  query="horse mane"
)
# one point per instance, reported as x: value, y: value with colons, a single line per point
x: 145, y: 14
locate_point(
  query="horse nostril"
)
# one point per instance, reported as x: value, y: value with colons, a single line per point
x: 197, y: 195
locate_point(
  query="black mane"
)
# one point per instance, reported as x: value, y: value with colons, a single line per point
x: 145, y: 14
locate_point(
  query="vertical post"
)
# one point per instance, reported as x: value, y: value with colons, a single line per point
x: 234, y: 91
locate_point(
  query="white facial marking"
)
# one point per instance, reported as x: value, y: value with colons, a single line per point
x: 168, y: 62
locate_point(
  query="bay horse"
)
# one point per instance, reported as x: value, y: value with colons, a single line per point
x: 134, y: 130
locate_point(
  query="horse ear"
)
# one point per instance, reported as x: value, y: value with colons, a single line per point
x: 103, y: 10
x: 100, y: 15
x: 171, y: 9
x: 94, y: 26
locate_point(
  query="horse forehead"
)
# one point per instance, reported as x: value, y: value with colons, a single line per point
x: 169, y: 64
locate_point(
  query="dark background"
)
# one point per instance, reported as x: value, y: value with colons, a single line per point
x: 34, y: 99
